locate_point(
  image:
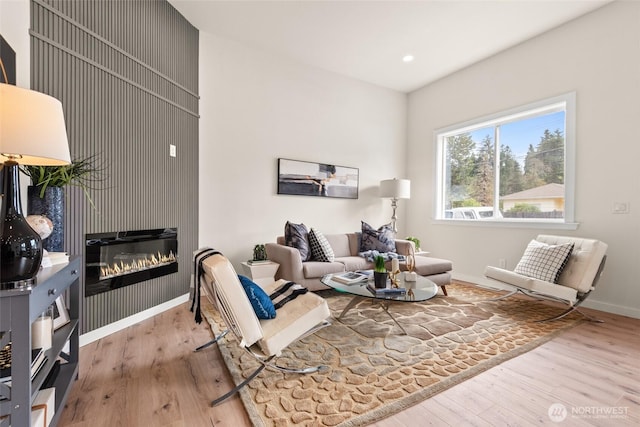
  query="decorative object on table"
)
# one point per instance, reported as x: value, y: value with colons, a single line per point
x: 42, y: 330
x: 380, y: 273
x: 410, y: 275
x: 41, y: 224
x: 380, y: 292
x: 302, y: 178
x: 395, y: 270
x: 259, y: 253
x: 415, y: 241
x: 46, y: 194
x: 32, y: 133
x: 395, y: 189
x: 60, y: 314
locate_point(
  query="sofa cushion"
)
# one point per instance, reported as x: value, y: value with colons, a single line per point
x: 381, y: 240
x: 296, y: 236
x: 426, y: 266
x: 320, y: 247
x: 312, y: 269
x: 260, y: 301
x: 353, y: 263
x: 544, y: 262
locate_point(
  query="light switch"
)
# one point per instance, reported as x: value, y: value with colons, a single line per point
x: 172, y: 150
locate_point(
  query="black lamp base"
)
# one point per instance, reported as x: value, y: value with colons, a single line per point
x: 20, y: 245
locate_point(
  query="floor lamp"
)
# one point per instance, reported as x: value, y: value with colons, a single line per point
x: 395, y: 189
x: 32, y: 132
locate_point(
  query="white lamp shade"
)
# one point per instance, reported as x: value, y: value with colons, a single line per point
x: 395, y: 188
x: 32, y: 129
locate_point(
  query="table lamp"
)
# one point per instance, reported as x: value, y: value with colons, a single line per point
x: 395, y: 189
x: 32, y: 132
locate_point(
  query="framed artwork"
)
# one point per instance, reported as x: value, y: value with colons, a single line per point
x: 300, y: 178
x: 60, y: 314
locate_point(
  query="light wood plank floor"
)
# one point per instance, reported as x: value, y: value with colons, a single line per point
x: 148, y: 375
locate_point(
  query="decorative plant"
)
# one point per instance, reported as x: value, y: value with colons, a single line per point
x: 259, y: 253
x: 83, y: 173
x: 415, y: 241
x: 379, y: 264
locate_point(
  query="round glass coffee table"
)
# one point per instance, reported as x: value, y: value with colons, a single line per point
x: 420, y: 290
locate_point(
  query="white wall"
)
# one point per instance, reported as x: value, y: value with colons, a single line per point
x: 256, y: 107
x: 596, y: 56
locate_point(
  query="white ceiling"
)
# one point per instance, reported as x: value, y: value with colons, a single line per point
x: 366, y: 40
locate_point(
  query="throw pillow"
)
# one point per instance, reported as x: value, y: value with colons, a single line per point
x: 296, y: 236
x: 260, y: 301
x: 382, y: 240
x: 320, y: 248
x: 544, y: 262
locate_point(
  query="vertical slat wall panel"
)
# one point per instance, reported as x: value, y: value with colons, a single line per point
x: 127, y: 75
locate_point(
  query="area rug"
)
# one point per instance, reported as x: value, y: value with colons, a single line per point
x: 375, y: 370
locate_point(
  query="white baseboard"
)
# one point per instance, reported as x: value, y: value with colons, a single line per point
x: 589, y: 302
x: 102, y: 332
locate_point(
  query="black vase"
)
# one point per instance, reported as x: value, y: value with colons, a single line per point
x: 51, y: 206
x: 20, y: 245
x: 380, y: 279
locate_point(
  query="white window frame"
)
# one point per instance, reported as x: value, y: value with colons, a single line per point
x: 566, y: 102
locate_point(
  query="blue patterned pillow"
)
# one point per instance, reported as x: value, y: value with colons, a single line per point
x: 297, y: 236
x: 382, y: 240
x: 260, y: 301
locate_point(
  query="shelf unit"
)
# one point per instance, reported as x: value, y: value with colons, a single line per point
x: 19, y: 308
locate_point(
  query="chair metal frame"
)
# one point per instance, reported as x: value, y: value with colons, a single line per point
x: 573, y: 306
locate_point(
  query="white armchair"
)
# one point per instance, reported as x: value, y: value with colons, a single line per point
x: 263, y: 339
x: 577, y: 279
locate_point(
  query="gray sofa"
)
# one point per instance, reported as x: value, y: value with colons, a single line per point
x: 346, y: 247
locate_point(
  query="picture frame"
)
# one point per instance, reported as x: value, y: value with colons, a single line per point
x: 60, y: 314
x: 303, y: 178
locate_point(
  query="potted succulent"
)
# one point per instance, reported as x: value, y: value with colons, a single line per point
x: 46, y: 194
x: 380, y: 273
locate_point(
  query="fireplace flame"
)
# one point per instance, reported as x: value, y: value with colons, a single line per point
x: 150, y: 261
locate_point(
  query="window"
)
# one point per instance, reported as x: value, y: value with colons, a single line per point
x: 515, y: 166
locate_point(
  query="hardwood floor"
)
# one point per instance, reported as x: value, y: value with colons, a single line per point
x: 148, y: 375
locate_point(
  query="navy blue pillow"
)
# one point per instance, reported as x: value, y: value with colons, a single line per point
x: 260, y: 301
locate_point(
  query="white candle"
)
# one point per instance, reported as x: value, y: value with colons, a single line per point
x: 41, y: 332
x: 395, y: 265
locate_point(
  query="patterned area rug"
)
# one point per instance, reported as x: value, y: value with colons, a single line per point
x: 375, y: 371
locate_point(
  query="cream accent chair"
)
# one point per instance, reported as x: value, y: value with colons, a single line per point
x: 577, y: 280
x: 263, y: 339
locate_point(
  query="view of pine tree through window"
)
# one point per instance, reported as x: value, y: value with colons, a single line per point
x: 510, y: 167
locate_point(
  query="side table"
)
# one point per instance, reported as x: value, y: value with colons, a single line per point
x: 262, y: 273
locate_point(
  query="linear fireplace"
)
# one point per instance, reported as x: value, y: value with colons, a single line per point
x: 114, y: 260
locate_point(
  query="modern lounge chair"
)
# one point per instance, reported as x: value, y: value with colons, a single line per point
x: 263, y: 339
x: 575, y: 283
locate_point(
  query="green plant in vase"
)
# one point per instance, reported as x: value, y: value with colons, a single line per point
x: 380, y: 272
x: 46, y: 194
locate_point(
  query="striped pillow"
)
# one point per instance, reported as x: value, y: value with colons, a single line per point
x: 544, y: 262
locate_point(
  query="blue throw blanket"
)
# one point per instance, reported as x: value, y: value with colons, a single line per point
x: 370, y: 255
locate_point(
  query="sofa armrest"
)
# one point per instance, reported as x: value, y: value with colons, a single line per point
x: 289, y: 260
x: 402, y: 246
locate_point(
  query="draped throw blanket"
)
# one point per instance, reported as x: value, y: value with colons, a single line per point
x: 198, y: 258
x: 370, y: 255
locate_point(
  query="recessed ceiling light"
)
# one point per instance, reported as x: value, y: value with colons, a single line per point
x: 408, y: 58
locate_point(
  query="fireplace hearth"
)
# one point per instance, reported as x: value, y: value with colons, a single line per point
x: 122, y: 258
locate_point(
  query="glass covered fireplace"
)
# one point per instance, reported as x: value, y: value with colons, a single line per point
x: 122, y: 258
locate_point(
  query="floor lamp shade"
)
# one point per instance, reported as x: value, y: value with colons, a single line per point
x: 395, y: 189
x: 32, y: 132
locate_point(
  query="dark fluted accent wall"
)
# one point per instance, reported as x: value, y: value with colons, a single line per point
x: 127, y: 75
